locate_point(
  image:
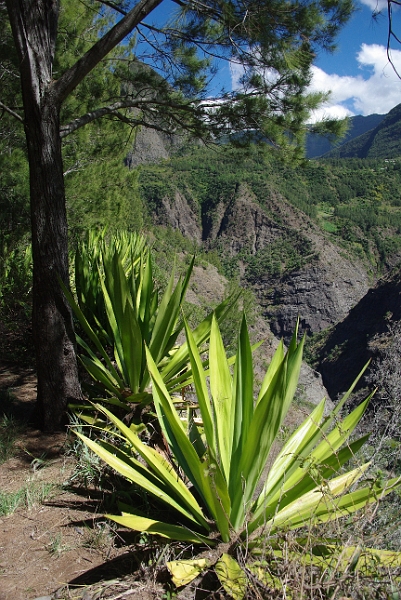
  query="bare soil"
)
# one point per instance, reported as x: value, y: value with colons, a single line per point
x: 58, y: 545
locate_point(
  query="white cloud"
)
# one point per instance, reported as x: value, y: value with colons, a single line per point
x: 375, y: 5
x: 376, y: 90
x: 238, y: 70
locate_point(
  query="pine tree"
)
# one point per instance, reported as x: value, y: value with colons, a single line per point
x: 142, y: 73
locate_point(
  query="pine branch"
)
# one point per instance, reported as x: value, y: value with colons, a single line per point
x: 74, y: 75
x: 11, y: 112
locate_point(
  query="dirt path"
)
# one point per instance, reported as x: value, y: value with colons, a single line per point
x: 57, y: 544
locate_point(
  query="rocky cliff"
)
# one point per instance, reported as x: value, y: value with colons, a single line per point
x: 321, y: 292
x: 151, y: 146
x: 356, y: 338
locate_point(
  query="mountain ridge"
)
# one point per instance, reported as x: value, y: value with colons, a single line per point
x: 318, y: 145
x: 383, y: 141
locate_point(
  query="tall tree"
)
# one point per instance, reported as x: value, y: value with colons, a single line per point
x: 270, y: 42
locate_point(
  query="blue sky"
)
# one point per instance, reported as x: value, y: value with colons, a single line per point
x: 360, y: 78
x: 357, y: 74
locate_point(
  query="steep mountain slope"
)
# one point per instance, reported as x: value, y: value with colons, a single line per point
x: 317, y: 145
x: 320, y: 289
x: 384, y: 141
x: 351, y: 342
x: 293, y: 267
x: 250, y: 211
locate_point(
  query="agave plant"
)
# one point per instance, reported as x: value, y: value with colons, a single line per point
x: 223, y: 458
x: 88, y: 270
x: 119, y: 308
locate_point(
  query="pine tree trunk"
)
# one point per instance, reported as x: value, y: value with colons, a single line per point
x: 52, y: 321
x: 34, y: 27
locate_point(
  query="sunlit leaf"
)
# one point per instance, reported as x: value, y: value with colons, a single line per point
x: 185, y: 571
x: 231, y: 576
x: 154, y: 527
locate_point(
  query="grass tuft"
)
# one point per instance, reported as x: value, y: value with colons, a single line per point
x: 31, y: 495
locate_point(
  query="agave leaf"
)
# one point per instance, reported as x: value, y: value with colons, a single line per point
x: 202, y: 393
x: 344, y: 558
x: 288, y: 460
x: 167, y: 315
x: 231, y: 576
x: 267, y: 419
x: 144, y: 295
x: 136, y: 473
x: 89, y: 419
x: 289, y: 478
x: 332, y: 417
x: 160, y: 466
x: 200, y: 335
x: 293, y: 451
x: 222, y: 398
x: 154, y: 527
x: 194, y: 433
x: 205, y: 475
x: 243, y: 398
x: 187, y: 278
x: 178, y: 382
x: 133, y: 350
x: 88, y: 329
x: 97, y: 371
x: 298, y: 482
x: 275, y: 363
x: 370, y: 558
x: 185, y: 571
x: 326, y: 502
x: 164, y: 327
x: 339, y: 435
x: 168, y: 292
x: 127, y: 335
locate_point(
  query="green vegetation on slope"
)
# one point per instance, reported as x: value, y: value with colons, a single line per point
x: 383, y: 141
x: 357, y: 202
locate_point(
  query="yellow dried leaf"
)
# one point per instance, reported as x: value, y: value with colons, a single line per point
x: 185, y: 571
x: 260, y: 570
x: 231, y: 576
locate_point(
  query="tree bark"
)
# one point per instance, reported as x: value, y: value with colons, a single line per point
x: 34, y: 25
x: 54, y: 336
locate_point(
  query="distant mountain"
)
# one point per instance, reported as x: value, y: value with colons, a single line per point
x: 383, y: 141
x: 318, y: 145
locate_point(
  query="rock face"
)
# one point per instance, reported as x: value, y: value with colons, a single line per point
x: 244, y: 224
x: 179, y: 214
x: 320, y: 293
x: 311, y: 387
x: 151, y: 146
x: 349, y: 345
